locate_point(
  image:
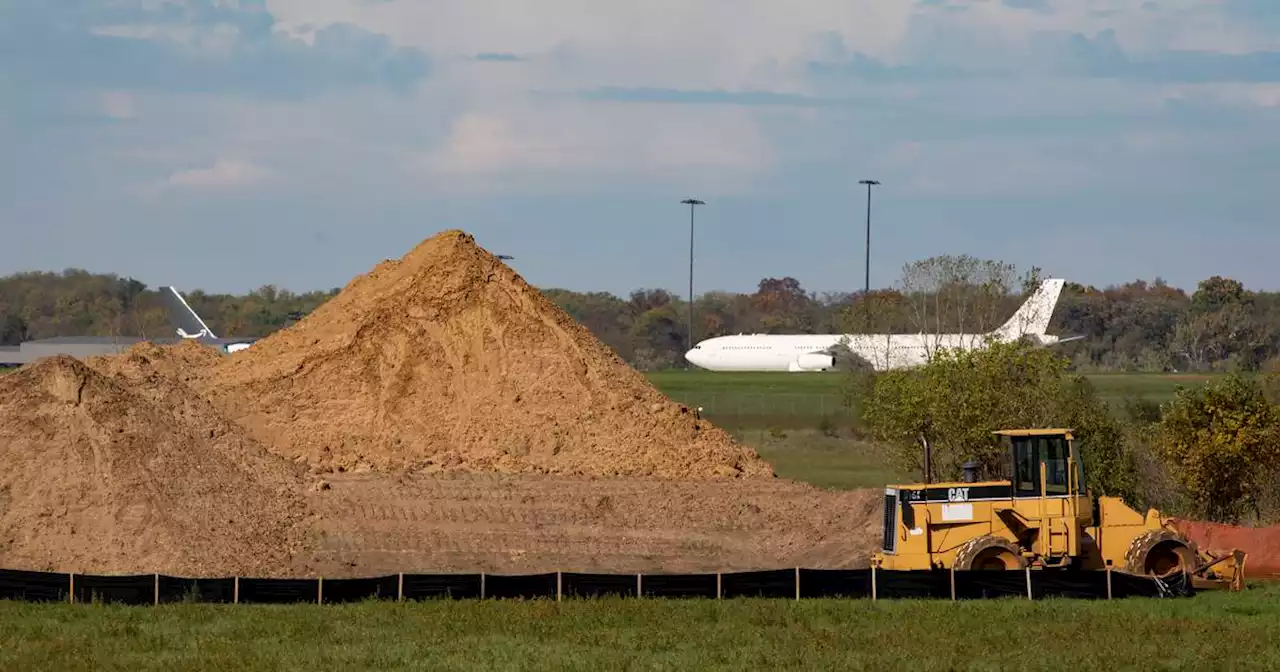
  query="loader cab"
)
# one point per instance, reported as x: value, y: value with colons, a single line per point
x: 1043, y: 463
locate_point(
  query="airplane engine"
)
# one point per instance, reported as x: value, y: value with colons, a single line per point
x: 813, y: 362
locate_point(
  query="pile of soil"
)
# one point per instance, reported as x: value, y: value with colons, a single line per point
x: 447, y: 360
x: 129, y: 470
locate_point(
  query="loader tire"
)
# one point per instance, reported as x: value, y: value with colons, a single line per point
x: 1158, y: 552
x: 989, y: 553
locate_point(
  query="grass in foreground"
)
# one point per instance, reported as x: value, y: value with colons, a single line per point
x: 1209, y: 631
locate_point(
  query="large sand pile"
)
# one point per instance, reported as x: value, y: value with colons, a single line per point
x: 131, y: 471
x: 447, y: 360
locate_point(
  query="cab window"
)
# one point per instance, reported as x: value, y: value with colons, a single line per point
x: 1026, y: 466
x: 1055, y: 462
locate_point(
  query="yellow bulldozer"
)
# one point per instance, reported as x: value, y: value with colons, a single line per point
x: 1042, y: 517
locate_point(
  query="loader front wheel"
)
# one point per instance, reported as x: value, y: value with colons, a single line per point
x: 1158, y: 552
x: 989, y: 553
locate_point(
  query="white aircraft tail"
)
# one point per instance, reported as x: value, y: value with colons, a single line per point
x: 1034, y: 314
x: 185, y: 320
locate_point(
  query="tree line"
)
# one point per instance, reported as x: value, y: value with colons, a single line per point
x: 1147, y: 326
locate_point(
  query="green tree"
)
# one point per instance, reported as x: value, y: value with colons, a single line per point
x: 961, y: 396
x: 960, y: 294
x: 1221, y: 330
x: 1221, y: 441
x: 13, y: 329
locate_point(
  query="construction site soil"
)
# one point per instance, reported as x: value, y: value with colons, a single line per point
x: 447, y: 359
x: 439, y: 414
x: 132, y: 472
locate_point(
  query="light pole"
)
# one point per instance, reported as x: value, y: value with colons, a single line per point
x: 867, y: 285
x: 692, y: 203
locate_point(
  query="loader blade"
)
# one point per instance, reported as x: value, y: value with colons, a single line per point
x: 1221, y: 571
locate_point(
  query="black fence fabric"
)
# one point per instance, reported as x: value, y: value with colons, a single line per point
x: 176, y: 589
x: 34, y: 586
x: 796, y: 584
x: 847, y: 583
x: 140, y: 589
x: 451, y: 586
x: 678, y: 585
x: 337, y: 591
x: 573, y: 584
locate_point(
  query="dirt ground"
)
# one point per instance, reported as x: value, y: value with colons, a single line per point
x: 371, y: 524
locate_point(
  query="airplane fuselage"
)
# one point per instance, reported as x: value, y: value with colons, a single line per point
x: 819, y: 352
x: 812, y: 352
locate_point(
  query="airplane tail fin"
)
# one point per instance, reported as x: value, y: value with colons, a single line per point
x: 185, y: 321
x: 1034, y: 314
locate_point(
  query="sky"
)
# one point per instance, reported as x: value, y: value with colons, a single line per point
x: 229, y: 144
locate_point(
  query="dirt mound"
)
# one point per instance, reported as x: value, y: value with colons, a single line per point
x: 167, y: 373
x: 180, y: 360
x: 130, y: 471
x: 448, y: 360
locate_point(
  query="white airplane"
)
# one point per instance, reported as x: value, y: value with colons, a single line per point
x: 189, y: 325
x: 818, y: 352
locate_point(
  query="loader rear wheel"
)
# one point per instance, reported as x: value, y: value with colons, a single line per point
x: 989, y: 553
x: 1158, y: 552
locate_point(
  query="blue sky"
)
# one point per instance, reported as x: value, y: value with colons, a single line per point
x: 228, y: 144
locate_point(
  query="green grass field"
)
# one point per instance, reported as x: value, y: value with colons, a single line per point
x: 1209, y: 631
x: 802, y: 399
x: 836, y: 462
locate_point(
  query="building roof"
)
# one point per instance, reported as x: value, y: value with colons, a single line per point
x: 88, y: 346
x: 92, y: 340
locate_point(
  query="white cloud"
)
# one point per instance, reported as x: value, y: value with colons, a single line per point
x: 741, y: 44
x: 574, y: 144
x: 711, y: 43
x: 223, y: 173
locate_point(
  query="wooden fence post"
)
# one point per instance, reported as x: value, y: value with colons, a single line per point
x: 797, y: 583
x: 157, y: 589
x: 482, y: 585
x: 1028, y: 571
x: 639, y: 585
x: 320, y: 591
x: 953, y: 583
x: 235, y: 597
x: 72, y: 593
x: 873, y: 583
x: 400, y: 588
x: 719, y: 589
x: 1108, y: 582
x: 559, y: 587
